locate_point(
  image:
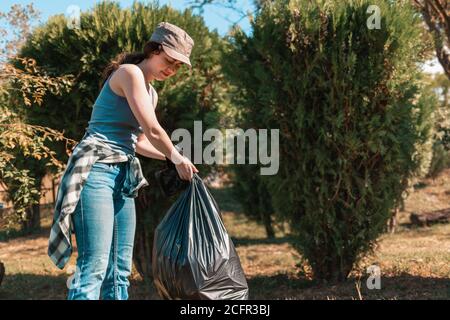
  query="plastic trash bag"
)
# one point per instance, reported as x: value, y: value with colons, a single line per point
x: 193, y: 256
x: 169, y: 181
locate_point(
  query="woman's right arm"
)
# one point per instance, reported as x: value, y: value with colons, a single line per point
x: 132, y: 83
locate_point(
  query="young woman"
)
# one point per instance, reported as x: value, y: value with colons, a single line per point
x: 97, y: 190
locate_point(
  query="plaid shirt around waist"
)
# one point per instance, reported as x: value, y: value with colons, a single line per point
x: 85, y: 154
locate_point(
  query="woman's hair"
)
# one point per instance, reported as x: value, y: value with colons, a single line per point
x: 150, y: 48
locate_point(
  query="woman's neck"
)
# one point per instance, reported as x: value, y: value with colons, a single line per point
x: 147, y: 75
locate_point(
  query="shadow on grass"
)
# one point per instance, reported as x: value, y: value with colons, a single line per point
x: 33, y: 287
x: 225, y: 199
x: 254, y: 241
x: 279, y: 286
x: 420, y: 185
x: 53, y: 287
x: 425, y: 228
x: 405, y: 286
x: 6, y: 235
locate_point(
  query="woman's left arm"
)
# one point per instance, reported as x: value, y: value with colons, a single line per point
x: 145, y: 148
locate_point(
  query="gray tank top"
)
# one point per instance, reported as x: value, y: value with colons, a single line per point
x: 113, y: 122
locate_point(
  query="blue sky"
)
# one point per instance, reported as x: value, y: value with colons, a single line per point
x: 215, y: 17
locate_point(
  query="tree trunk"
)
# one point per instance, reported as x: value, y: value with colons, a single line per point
x: 2, y: 272
x: 270, y: 232
x: 36, y: 218
x: 333, y: 271
x: 33, y: 212
x: 436, y: 16
x: 33, y: 220
x: 265, y: 209
x: 393, y: 221
x: 53, y: 191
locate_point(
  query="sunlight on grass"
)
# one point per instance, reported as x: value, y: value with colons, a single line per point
x: 414, y: 262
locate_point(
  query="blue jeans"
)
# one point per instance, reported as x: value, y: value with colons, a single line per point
x: 104, y: 224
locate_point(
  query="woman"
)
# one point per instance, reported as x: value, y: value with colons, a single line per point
x: 96, y: 194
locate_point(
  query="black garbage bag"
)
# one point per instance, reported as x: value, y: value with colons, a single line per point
x: 193, y: 255
x: 169, y: 181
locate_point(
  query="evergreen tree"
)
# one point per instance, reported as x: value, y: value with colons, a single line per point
x: 346, y: 96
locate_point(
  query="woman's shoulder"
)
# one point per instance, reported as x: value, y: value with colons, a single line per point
x: 126, y: 71
x: 122, y: 74
x: 128, y: 66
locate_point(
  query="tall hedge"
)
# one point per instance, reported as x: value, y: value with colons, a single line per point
x: 84, y: 52
x: 251, y: 192
x: 347, y: 100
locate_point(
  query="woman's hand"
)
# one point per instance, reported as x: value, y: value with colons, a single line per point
x: 186, y: 169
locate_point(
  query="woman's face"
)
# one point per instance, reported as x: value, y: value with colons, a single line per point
x: 163, y: 66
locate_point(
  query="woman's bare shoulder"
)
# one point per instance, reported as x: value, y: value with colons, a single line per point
x: 130, y: 69
x: 122, y: 74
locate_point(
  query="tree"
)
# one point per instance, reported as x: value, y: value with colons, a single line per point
x: 348, y: 101
x: 252, y: 193
x: 440, y: 84
x: 22, y: 143
x: 436, y: 14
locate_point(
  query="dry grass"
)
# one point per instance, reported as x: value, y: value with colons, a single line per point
x: 414, y: 265
x: 414, y: 262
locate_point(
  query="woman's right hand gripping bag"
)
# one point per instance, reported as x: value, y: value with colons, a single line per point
x: 193, y: 255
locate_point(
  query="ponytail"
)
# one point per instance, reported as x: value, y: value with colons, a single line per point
x: 150, y: 48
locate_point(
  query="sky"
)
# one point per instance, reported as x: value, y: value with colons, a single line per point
x: 215, y: 17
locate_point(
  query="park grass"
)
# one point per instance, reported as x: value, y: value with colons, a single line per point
x: 414, y: 262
